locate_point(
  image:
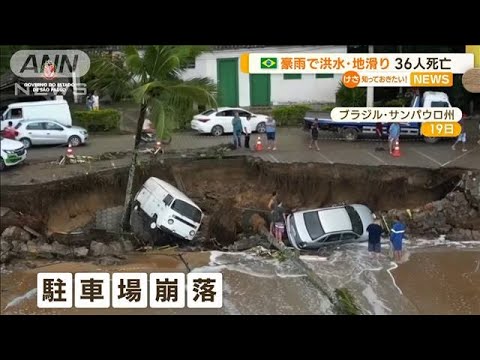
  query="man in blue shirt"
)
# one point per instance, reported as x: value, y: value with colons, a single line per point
x: 237, y: 130
x: 393, y: 135
x: 396, y: 237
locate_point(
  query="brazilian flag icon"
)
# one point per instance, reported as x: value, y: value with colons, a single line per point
x: 268, y: 63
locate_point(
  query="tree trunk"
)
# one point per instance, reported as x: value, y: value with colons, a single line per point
x: 131, y: 172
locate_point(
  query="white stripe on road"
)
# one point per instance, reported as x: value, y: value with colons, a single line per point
x: 460, y: 156
x: 428, y: 157
x: 376, y: 157
x: 273, y: 158
x: 323, y: 156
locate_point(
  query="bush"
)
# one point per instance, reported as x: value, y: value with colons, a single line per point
x: 290, y: 115
x: 355, y: 97
x: 396, y: 103
x: 98, y: 120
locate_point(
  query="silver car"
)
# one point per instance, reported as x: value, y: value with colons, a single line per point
x: 49, y: 132
x: 312, y: 229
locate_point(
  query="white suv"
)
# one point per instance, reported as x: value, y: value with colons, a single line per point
x: 12, y: 153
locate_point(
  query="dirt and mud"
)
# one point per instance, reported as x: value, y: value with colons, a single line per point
x: 229, y: 187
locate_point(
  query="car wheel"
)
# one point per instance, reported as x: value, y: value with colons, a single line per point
x: 2, y: 165
x: 261, y: 127
x: 74, y: 140
x: 27, y: 143
x: 217, y: 130
x: 431, y: 140
x: 350, y: 134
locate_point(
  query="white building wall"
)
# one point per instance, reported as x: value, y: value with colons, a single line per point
x: 308, y: 89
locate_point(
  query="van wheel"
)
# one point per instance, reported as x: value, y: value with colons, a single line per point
x: 27, y: 143
x: 2, y: 165
x: 74, y: 141
x: 350, y: 134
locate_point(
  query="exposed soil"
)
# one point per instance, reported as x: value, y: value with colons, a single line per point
x: 236, y: 184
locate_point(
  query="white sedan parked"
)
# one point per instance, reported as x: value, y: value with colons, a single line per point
x: 219, y: 121
x: 49, y: 132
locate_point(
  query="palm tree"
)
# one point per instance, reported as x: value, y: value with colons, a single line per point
x: 152, y: 78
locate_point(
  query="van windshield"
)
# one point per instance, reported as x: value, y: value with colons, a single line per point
x: 187, y: 210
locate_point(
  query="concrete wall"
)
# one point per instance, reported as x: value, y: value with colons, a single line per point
x: 308, y: 89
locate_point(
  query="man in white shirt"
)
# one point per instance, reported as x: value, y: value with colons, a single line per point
x: 148, y: 127
x: 247, y: 130
x: 95, y: 101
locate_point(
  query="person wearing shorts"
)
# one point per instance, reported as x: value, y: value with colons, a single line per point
x: 396, y: 238
x: 462, y: 137
x: 270, y: 129
x: 279, y: 222
x: 393, y: 135
x: 314, y: 134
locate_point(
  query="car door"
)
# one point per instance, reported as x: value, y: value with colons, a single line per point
x: 349, y: 237
x: 55, y: 133
x: 15, y: 115
x: 333, y: 239
x: 35, y: 131
x: 224, y: 119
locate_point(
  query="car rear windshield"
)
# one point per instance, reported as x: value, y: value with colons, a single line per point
x: 439, y: 104
x: 313, y: 225
x: 357, y: 225
x: 208, y: 112
x: 18, y: 125
x: 187, y: 210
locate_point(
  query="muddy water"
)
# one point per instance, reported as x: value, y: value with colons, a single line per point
x: 434, y: 279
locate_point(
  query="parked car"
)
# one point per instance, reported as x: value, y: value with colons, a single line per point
x: 49, y: 132
x: 219, y: 121
x: 12, y: 153
x: 168, y: 209
x: 312, y: 229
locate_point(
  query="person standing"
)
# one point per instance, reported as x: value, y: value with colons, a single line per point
x: 95, y: 101
x: 247, y: 129
x: 271, y: 129
x: 90, y: 102
x: 393, y: 135
x: 463, y: 135
x: 9, y: 132
x: 279, y: 222
x: 375, y: 231
x: 237, y: 130
x: 314, y: 134
x: 272, y: 205
x: 397, y: 234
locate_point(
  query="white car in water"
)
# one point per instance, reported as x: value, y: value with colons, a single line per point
x: 219, y: 121
x: 313, y: 229
x: 49, y: 132
x: 12, y: 153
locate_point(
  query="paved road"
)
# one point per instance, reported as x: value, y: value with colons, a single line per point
x: 293, y: 147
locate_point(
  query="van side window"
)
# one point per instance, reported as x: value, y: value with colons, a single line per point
x: 168, y: 199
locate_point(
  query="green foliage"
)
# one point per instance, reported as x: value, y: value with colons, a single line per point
x: 351, y: 97
x: 153, y: 80
x: 290, y: 115
x: 400, y: 102
x: 327, y: 107
x: 97, y: 120
x: 345, y: 303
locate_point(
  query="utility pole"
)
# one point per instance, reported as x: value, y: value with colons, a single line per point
x: 370, y: 94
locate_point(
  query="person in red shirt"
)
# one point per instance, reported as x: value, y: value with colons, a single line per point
x: 9, y: 132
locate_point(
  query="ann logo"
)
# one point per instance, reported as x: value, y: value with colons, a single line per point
x: 48, y: 69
